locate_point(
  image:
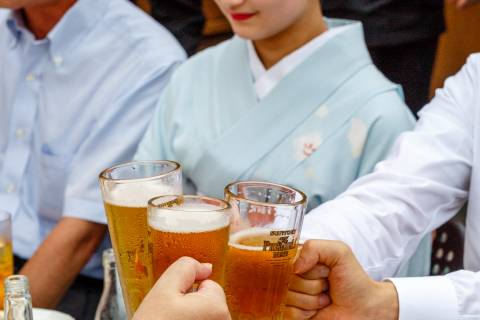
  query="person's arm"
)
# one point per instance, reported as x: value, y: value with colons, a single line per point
x: 423, y: 184
x: 454, y: 296
x: 60, y: 258
x: 112, y: 139
x: 172, y: 296
x: 353, y: 295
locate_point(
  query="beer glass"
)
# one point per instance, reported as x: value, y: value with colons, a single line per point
x: 6, y: 252
x: 192, y: 226
x: 265, y: 230
x: 126, y: 189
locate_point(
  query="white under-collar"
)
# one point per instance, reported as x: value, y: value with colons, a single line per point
x: 267, y: 80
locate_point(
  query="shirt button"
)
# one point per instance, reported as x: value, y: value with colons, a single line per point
x: 30, y: 77
x: 10, y: 188
x: 20, y: 133
x: 58, y: 61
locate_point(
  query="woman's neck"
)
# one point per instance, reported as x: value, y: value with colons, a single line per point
x: 41, y: 19
x: 273, y: 49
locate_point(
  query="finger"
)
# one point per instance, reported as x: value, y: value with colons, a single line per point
x: 291, y: 313
x: 317, y: 272
x: 307, y: 302
x: 311, y: 287
x: 325, y: 314
x: 211, y: 289
x: 325, y: 252
x: 182, y: 274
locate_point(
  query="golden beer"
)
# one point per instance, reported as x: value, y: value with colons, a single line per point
x: 192, y: 226
x: 128, y: 227
x: 257, y: 273
x: 6, y: 265
x: 168, y: 247
x: 126, y: 190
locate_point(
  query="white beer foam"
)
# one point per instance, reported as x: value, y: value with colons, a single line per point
x: 188, y: 218
x: 248, y: 233
x: 137, y: 196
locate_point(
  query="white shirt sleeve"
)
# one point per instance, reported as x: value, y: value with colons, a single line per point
x: 455, y: 296
x: 424, y: 182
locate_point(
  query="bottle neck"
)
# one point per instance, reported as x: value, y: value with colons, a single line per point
x: 18, y: 302
x: 108, y: 307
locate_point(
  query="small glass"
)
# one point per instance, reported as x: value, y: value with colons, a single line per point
x: 6, y: 251
x: 265, y: 230
x: 192, y: 226
x: 126, y: 189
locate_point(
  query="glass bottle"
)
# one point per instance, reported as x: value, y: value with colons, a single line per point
x: 110, y: 306
x: 18, y: 302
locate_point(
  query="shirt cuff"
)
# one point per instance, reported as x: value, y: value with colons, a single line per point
x: 426, y: 298
x: 84, y: 209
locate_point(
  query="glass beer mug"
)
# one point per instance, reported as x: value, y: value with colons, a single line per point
x: 6, y: 251
x: 192, y: 226
x: 265, y: 230
x: 126, y: 190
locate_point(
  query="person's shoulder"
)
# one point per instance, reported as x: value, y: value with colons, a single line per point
x: 380, y: 99
x: 212, y: 53
x: 139, y: 33
x: 4, y: 13
x: 472, y: 65
x: 474, y: 58
x: 378, y: 95
x: 389, y: 109
x: 205, y: 61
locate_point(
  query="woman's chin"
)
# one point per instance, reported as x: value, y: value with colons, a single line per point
x: 249, y: 34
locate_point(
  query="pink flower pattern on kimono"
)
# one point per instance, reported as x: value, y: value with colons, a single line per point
x: 304, y: 146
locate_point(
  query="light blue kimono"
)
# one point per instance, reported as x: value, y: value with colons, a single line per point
x: 325, y: 124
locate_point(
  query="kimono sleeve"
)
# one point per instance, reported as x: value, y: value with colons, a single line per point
x: 112, y: 140
x: 154, y: 143
x: 388, y: 117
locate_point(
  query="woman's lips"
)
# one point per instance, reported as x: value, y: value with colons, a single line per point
x: 241, y: 16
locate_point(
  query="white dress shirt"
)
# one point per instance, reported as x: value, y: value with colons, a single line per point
x: 428, y: 177
x: 266, y: 80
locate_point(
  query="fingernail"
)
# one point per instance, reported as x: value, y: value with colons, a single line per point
x: 208, y: 265
x: 309, y: 314
x: 323, y: 300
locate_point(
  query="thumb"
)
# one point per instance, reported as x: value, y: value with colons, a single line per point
x: 211, y: 289
x: 181, y: 275
x: 325, y: 252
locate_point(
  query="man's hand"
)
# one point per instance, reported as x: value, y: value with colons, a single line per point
x: 306, y: 293
x: 171, y: 298
x: 461, y: 4
x: 352, y: 293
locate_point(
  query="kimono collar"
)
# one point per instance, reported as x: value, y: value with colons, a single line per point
x: 266, y: 80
